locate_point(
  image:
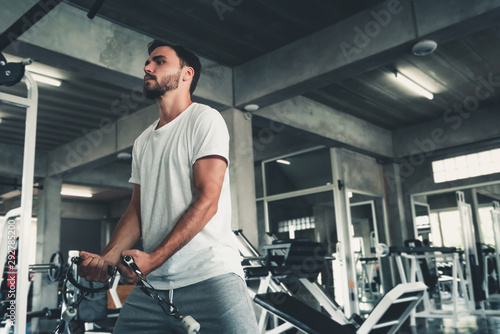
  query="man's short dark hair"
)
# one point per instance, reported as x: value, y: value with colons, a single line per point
x: 186, y: 56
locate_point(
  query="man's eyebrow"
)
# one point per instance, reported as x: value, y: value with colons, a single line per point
x: 155, y: 58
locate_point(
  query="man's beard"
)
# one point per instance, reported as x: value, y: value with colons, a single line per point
x: 171, y: 82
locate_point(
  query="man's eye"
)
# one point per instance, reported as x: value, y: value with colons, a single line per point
x: 159, y: 62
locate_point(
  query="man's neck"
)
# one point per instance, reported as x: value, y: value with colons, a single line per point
x: 170, y: 106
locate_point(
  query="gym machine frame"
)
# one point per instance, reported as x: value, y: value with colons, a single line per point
x: 464, y: 269
x: 416, y: 275
x: 31, y: 105
x: 251, y: 256
x: 476, y: 290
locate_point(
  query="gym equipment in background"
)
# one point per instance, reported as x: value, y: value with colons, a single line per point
x: 387, y: 317
x: 81, y: 300
x: 417, y: 270
x: 289, y: 263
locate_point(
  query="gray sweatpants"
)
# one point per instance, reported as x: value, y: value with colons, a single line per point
x: 221, y: 305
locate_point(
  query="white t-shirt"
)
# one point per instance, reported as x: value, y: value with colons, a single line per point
x: 162, y: 164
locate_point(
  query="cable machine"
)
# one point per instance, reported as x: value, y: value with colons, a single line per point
x: 11, y: 74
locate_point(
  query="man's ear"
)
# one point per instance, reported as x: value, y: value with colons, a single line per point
x: 188, y: 73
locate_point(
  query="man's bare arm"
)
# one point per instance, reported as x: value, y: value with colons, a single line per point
x: 208, y: 177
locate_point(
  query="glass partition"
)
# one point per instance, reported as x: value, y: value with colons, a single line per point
x: 301, y: 201
x: 297, y: 172
x: 368, y: 229
x: 298, y: 203
x: 437, y: 220
x: 423, y: 222
x: 297, y: 217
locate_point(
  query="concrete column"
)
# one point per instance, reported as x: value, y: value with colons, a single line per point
x: 400, y: 226
x: 241, y: 171
x: 48, y: 241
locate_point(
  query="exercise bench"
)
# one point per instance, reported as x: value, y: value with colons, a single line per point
x: 386, y: 318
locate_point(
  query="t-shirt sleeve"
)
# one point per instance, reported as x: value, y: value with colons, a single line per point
x: 135, y: 175
x: 211, y: 136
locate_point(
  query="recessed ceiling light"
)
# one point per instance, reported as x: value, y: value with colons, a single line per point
x: 283, y: 162
x: 251, y: 107
x: 424, y: 48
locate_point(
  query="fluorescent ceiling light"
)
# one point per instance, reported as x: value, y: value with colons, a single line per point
x: 413, y: 86
x: 46, y: 80
x: 76, y: 193
x: 284, y: 162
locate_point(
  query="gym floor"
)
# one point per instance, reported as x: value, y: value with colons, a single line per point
x: 467, y: 325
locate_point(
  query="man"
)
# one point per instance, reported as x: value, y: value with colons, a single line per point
x: 180, y: 207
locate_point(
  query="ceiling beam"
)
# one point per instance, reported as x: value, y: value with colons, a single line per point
x: 113, y: 175
x: 364, y: 41
x: 102, y: 49
x: 100, y: 147
x: 346, y: 130
x: 26, y: 21
x: 453, y: 129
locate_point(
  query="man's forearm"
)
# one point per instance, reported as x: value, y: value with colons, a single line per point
x: 192, y: 221
x: 126, y: 234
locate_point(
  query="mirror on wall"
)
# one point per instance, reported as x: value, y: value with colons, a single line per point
x: 367, y: 230
x: 436, y: 217
x: 298, y: 204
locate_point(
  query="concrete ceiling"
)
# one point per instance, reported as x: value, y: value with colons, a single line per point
x: 228, y: 32
x: 337, y: 56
